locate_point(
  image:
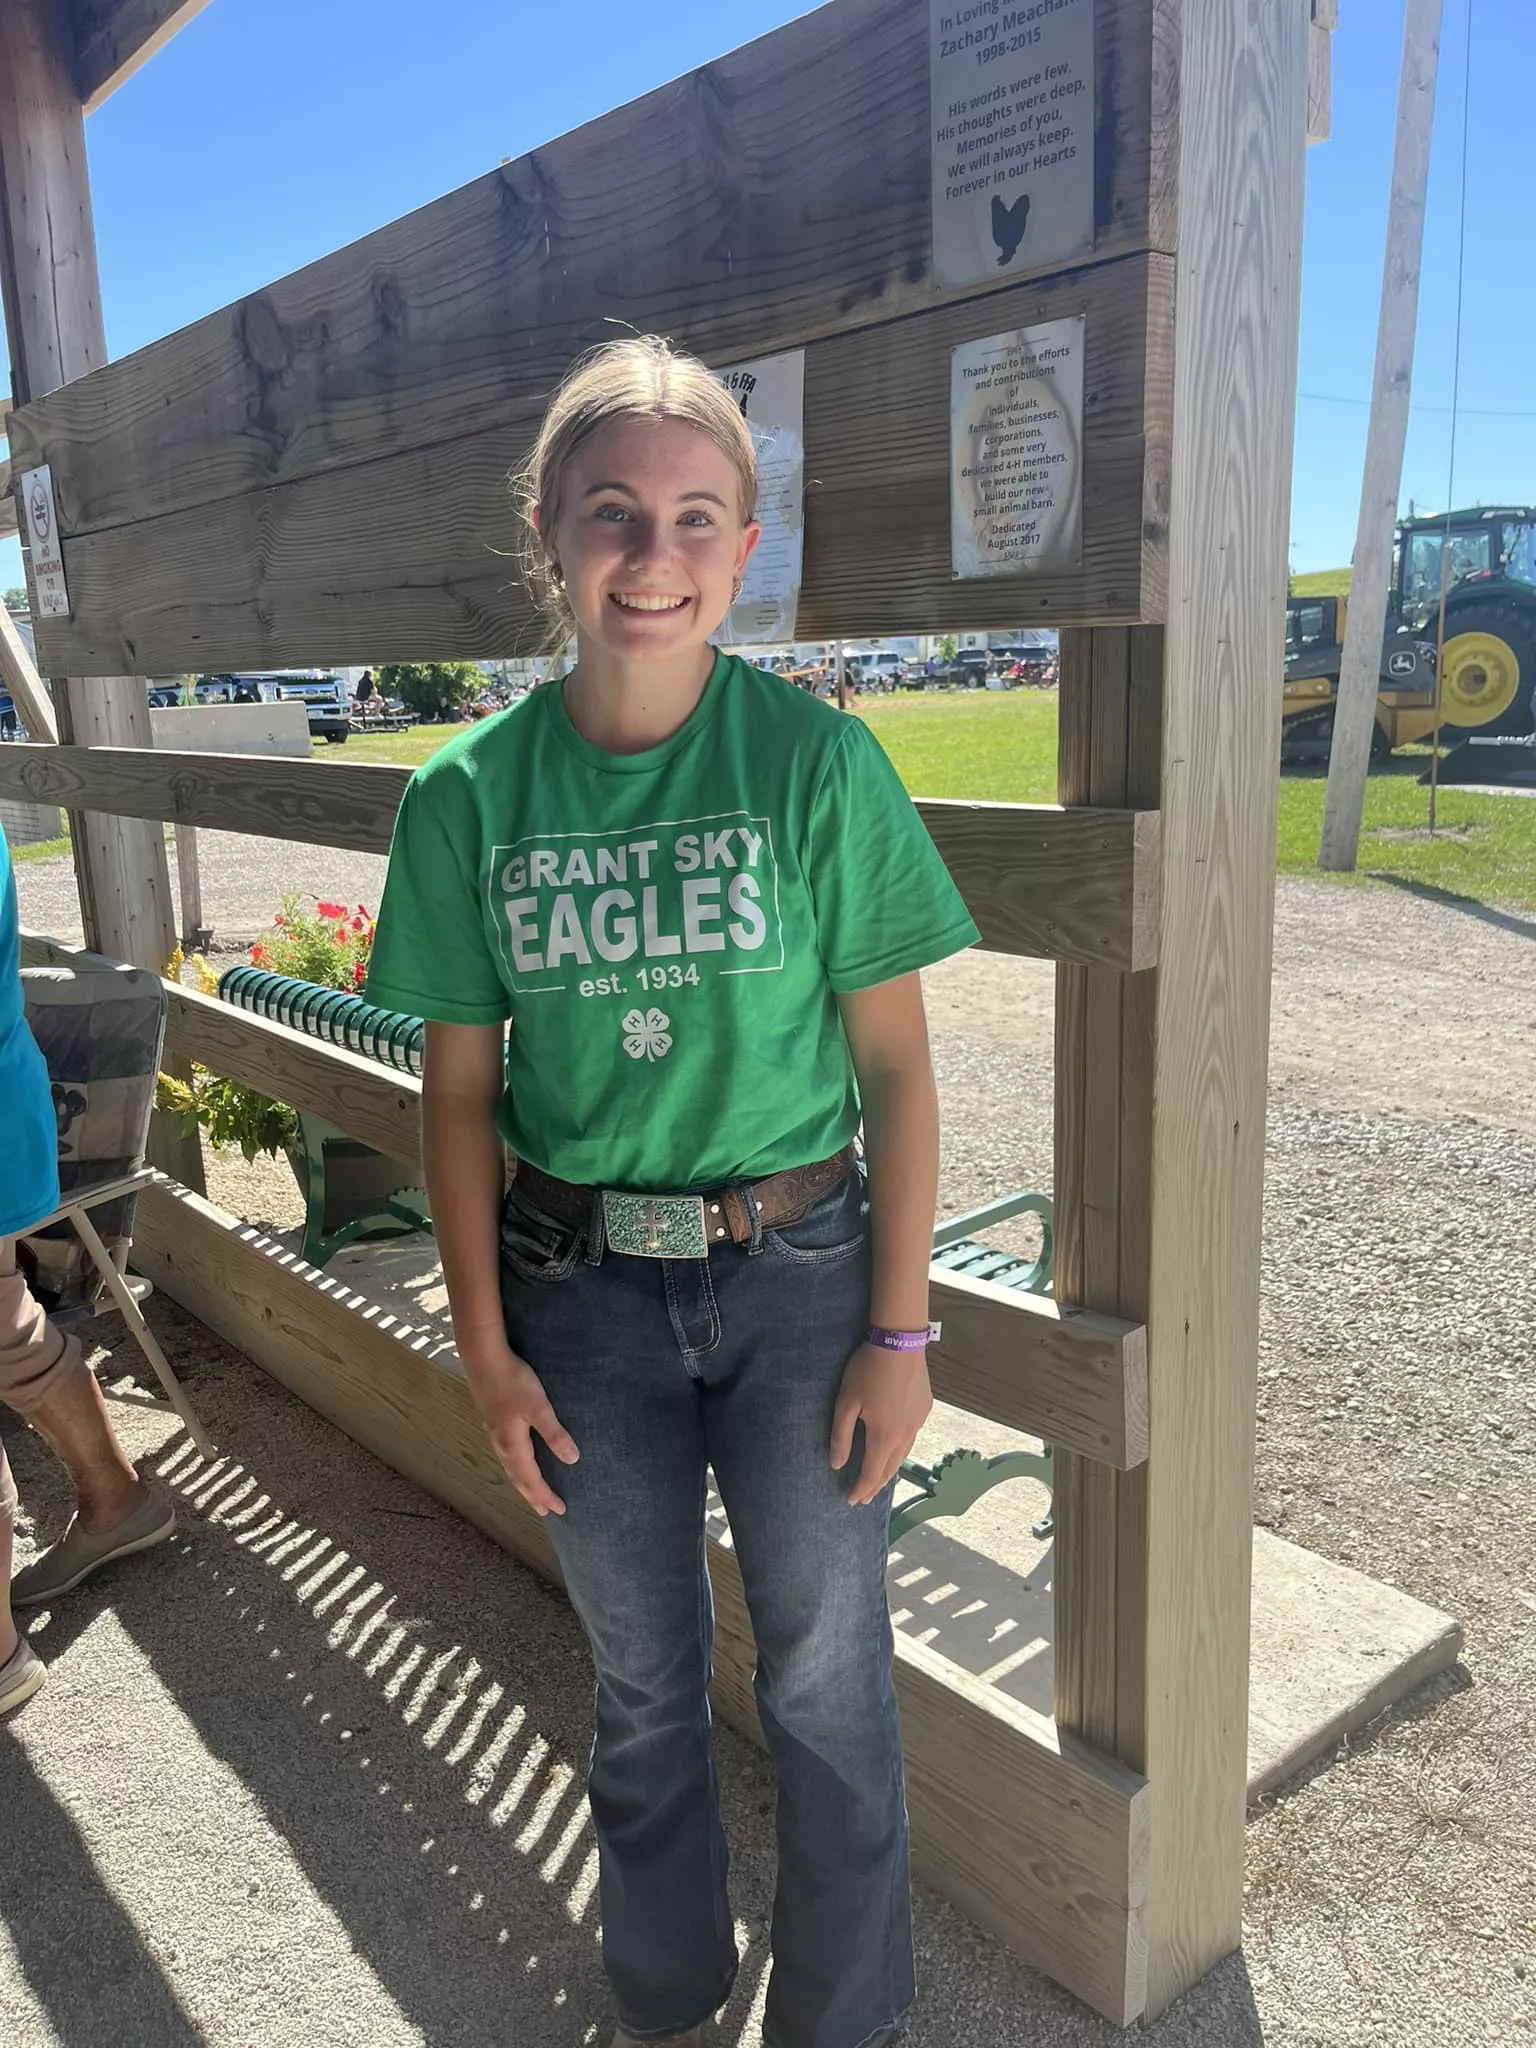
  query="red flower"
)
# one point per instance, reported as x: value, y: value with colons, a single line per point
x: 358, y: 974
x: 362, y: 910
x: 258, y: 956
x: 331, y: 909
x: 359, y: 923
x: 340, y: 935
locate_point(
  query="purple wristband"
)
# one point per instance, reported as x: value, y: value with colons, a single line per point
x: 903, y: 1340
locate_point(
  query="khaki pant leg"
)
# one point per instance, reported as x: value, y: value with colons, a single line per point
x: 36, y: 1359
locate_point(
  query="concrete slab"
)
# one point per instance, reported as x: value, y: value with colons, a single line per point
x: 1331, y: 1650
x: 1331, y: 1647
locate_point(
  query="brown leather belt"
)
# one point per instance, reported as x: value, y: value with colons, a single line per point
x: 648, y: 1222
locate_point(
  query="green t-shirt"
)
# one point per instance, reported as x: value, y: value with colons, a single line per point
x: 667, y: 931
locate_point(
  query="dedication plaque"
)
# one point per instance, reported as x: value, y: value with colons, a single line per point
x: 771, y: 394
x: 1016, y: 452
x: 1011, y: 114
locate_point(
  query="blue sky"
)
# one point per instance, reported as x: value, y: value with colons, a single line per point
x: 270, y: 131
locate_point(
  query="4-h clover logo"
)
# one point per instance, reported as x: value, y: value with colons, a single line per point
x: 646, y: 1036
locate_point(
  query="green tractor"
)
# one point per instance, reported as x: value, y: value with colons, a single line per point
x: 1489, y: 686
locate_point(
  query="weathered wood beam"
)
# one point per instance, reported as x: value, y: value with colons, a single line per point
x: 1040, y: 881
x: 338, y: 564
x: 25, y: 684
x: 318, y: 803
x: 775, y: 195
x: 114, y: 37
x: 1036, y: 1838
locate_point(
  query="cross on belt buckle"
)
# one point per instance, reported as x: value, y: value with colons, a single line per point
x: 655, y: 1226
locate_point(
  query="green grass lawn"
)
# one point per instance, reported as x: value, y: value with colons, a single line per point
x: 1000, y: 747
x: 40, y: 849
x: 400, y: 749
x: 1484, y: 847
x: 995, y: 745
x: 1321, y: 583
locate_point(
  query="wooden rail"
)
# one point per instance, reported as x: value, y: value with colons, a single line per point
x: 1042, y: 1841
x: 1078, y: 1380
x: 1051, y: 883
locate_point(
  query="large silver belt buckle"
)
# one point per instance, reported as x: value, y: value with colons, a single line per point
x: 655, y: 1226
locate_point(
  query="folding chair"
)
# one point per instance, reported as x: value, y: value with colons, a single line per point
x: 100, y: 1027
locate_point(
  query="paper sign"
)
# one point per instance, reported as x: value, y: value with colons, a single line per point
x: 1012, y: 135
x: 49, y: 592
x: 771, y: 394
x: 1016, y: 451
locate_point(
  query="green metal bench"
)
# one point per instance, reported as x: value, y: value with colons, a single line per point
x: 960, y: 1478
x: 352, y: 1194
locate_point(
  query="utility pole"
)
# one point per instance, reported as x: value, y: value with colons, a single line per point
x: 1354, y: 715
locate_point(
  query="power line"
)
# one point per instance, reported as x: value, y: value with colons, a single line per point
x: 1486, y: 412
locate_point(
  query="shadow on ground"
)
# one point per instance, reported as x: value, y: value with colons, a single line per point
x: 1469, y: 906
x: 406, y: 1710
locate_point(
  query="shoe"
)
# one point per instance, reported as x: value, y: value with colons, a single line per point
x: 694, y: 2038
x: 79, y: 1552
x: 20, y: 1675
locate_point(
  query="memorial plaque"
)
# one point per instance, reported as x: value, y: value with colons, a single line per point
x: 1012, y: 136
x: 771, y: 393
x: 1016, y: 451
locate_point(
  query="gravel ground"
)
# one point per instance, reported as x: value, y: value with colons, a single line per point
x: 1391, y: 1897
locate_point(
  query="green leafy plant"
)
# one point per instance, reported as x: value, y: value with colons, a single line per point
x: 229, y: 1112
x: 431, y: 689
x: 329, y: 945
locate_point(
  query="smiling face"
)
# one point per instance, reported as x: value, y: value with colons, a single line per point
x: 649, y: 537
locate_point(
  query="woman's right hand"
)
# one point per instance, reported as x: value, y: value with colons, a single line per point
x: 513, y: 1404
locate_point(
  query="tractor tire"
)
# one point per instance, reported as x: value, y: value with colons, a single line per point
x: 1489, y: 679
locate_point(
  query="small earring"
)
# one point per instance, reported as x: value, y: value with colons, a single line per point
x: 736, y: 589
x: 556, y: 576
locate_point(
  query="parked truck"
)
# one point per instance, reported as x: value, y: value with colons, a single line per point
x: 323, y: 695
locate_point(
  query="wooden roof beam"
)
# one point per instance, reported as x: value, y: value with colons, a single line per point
x: 114, y: 37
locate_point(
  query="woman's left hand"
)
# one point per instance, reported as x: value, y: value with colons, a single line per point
x: 888, y: 1392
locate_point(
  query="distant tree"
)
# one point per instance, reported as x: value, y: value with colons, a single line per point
x: 16, y: 598
x: 949, y: 647
x: 433, y: 690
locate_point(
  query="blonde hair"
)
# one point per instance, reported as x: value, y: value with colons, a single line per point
x: 643, y: 377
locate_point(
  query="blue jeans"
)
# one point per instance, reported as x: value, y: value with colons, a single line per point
x: 661, y: 1368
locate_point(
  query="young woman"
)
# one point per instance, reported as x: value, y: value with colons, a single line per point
x: 701, y: 897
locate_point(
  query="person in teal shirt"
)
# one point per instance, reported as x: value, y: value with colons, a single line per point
x: 43, y: 1374
x: 700, y: 899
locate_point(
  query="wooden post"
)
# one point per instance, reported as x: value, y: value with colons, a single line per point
x: 841, y: 674
x: 1354, y: 715
x: 1160, y: 1075
x: 24, y: 682
x: 189, y: 883
x: 54, y: 328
